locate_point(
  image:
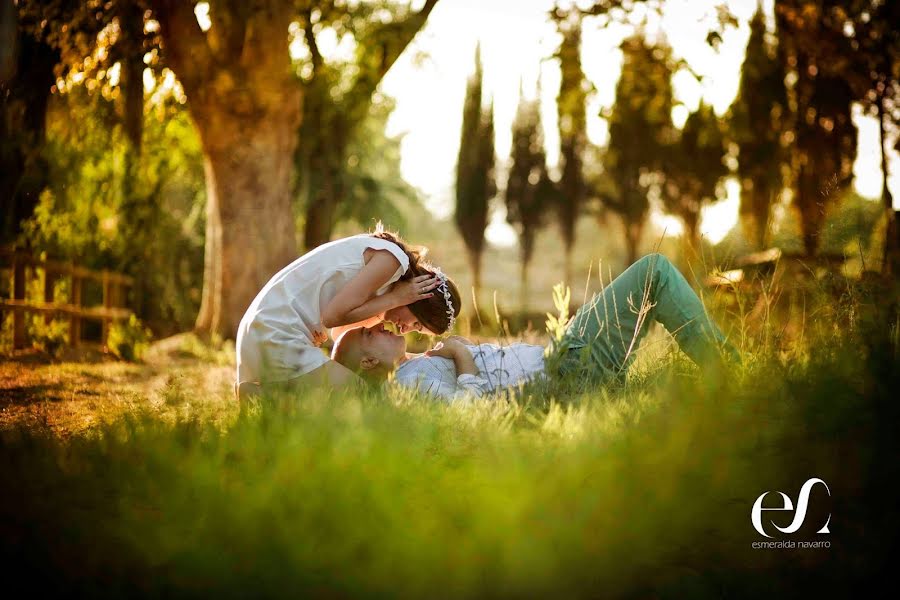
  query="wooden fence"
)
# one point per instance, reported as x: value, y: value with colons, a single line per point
x: 748, y: 269
x: 22, y: 266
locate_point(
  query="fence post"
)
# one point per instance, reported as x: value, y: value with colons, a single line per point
x: 107, y: 304
x: 49, y: 280
x: 75, y: 318
x: 18, y: 294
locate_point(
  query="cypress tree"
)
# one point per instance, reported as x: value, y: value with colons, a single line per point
x: 571, y: 102
x: 475, y: 184
x: 694, y: 171
x: 529, y: 190
x: 640, y: 131
x: 756, y: 125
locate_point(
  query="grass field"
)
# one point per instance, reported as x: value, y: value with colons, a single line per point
x: 148, y: 480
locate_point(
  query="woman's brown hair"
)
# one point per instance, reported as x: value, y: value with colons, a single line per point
x: 431, y: 312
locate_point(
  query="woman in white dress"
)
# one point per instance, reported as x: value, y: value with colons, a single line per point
x: 347, y: 283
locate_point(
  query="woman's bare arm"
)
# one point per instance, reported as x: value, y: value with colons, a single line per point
x: 356, y: 301
x: 457, y: 351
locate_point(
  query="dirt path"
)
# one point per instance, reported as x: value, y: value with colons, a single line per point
x: 79, y: 391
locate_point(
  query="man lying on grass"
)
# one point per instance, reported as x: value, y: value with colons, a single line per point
x: 599, y: 342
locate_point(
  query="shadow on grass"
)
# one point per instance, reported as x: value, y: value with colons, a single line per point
x: 24, y: 395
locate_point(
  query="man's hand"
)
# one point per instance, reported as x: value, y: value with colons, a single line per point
x: 319, y: 337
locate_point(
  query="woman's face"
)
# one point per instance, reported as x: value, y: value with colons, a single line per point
x: 404, y: 320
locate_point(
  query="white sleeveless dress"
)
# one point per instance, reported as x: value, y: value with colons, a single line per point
x: 275, y: 339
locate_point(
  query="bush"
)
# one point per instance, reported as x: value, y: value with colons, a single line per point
x: 128, y: 340
x: 214, y: 350
x: 49, y: 337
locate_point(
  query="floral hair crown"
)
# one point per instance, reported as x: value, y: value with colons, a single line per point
x: 445, y: 289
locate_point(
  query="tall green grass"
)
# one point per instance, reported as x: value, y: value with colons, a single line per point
x: 642, y: 489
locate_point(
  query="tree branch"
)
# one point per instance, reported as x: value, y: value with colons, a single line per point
x: 408, y: 31
x: 311, y: 42
x: 403, y: 33
x: 186, y: 48
x: 229, y: 27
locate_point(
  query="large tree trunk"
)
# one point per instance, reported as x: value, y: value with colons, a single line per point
x: 210, y: 301
x: 475, y: 268
x: 320, y: 165
x: 763, y: 227
x: 891, y: 258
x: 755, y: 217
x: 321, y: 211
x: 248, y: 180
x: 633, y: 231
x: 527, y: 250
x: 523, y: 290
x: 809, y: 207
x: 810, y: 233
x: 319, y: 221
x: 245, y: 101
x: 691, y: 236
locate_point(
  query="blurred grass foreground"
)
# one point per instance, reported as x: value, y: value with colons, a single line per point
x: 643, y: 489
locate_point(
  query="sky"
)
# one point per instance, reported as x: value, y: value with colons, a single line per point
x: 518, y: 41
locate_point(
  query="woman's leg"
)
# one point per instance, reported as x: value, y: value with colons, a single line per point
x: 615, y: 321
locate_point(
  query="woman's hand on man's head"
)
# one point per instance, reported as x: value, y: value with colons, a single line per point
x: 412, y: 290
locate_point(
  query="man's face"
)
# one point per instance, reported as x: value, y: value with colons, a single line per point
x: 375, y: 342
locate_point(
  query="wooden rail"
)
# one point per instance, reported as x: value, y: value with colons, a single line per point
x: 750, y: 267
x: 20, y: 262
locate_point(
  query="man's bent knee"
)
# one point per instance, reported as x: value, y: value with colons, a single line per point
x: 655, y: 259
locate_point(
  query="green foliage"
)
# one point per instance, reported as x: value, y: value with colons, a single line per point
x: 822, y: 126
x: 475, y: 183
x: 757, y: 123
x: 374, y: 188
x: 530, y: 193
x: 876, y: 53
x: 848, y: 228
x: 128, y: 339
x: 825, y: 150
x: 693, y: 169
x: 213, y: 351
x: 106, y: 207
x: 528, y: 166
x: 346, y: 168
x: 851, y: 220
x: 640, y: 131
x: 571, y: 101
x: 174, y: 393
x: 48, y: 337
